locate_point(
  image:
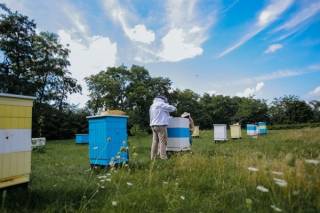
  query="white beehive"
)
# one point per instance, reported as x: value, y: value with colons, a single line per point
x: 220, y: 132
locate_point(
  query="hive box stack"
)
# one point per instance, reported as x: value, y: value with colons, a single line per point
x: 178, y: 135
x: 220, y: 132
x: 262, y: 128
x: 15, y: 139
x: 235, y: 131
x: 252, y: 130
x: 82, y: 138
x: 108, y: 140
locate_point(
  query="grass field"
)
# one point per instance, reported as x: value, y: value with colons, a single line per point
x: 212, y: 178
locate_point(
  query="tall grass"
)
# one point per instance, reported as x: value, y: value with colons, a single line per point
x: 213, y: 177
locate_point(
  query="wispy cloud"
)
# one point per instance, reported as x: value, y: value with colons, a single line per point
x: 299, y: 19
x: 267, y: 16
x: 280, y: 74
x: 273, y: 48
x: 229, y: 7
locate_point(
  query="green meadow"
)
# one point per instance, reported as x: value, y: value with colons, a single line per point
x: 278, y: 172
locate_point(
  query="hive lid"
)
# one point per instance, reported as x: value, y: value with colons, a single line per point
x: 100, y: 116
x: 8, y: 95
x: 113, y: 112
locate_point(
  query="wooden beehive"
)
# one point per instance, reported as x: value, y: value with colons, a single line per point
x: 15, y: 139
x: 235, y: 131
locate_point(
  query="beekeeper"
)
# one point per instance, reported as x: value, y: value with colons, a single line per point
x: 159, y: 120
x: 191, y: 124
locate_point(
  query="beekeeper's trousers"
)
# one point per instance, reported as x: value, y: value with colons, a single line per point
x: 159, y: 142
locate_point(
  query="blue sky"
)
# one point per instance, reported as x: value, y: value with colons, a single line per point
x: 266, y: 48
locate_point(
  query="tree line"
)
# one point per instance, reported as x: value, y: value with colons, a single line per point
x: 37, y: 64
x: 133, y: 89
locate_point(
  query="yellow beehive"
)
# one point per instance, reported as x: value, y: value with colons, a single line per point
x: 15, y: 139
x: 235, y: 131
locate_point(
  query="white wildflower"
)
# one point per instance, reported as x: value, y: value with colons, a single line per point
x: 129, y: 184
x: 280, y: 182
x: 108, y: 174
x: 101, y: 177
x: 165, y: 182
x: 102, y: 187
x: 262, y: 188
x: 176, y: 183
x: 108, y: 179
x: 182, y: 197
x: 276, y: 208
x: 102, y: 180
x: 253, y: 169
x: 114, y: 203
x: 277, y: 173
x: 311, y: 161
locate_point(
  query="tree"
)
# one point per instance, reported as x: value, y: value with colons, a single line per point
x: 290, y: 110
x: 251, y: 110
x: 34, y: 64
x: 187, y: 101
x: 108, y: 89
x: 16, y: 38
x: 131, y: 90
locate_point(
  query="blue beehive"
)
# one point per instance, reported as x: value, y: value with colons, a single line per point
x: 262, y: 128
x: 108, y: 139
x: 82, y: 138
x: 252, y: 130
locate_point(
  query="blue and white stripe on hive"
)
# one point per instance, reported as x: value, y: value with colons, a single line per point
x: 252, y: 129
x: 178, y: 134
x: 262, y: 128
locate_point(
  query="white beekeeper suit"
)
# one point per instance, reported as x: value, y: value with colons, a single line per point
x: 159, y: 112
x: 159, y: 120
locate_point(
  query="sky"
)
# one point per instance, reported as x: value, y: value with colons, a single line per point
x: 265, y: 48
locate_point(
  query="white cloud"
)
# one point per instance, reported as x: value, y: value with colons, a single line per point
x: 176, y: 46
x: 87, y: 59
x: 187, y: 31
x: 299, y: 19
x: 273, y: 48
x: 138, y: 33
x: 249, y: 92
x: 181, y: 33
x: 315, y: 92
x: 267, y: 16
x: 273, y: 11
